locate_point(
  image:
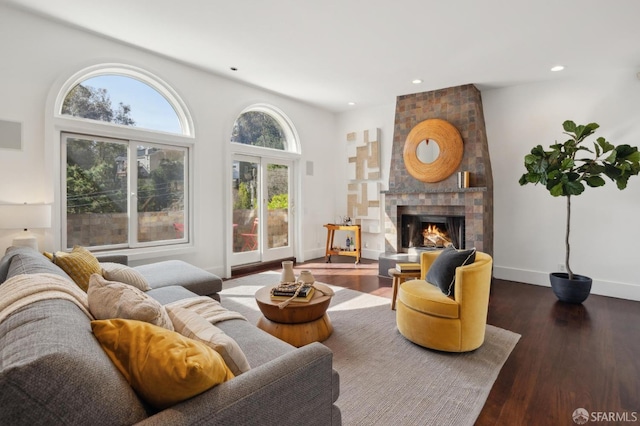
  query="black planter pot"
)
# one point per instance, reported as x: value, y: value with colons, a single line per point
x: 570, y: 291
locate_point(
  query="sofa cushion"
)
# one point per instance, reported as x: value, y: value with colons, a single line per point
x: 196, y: 327
x: 442, y: 272
x: 53, y: 371
x: 110, y: 299
x: 124, y: 274
x: 171, y: 293
x: 258, y: 346
x: 25, y: 260
x: 163, y: 366
x: 177, y: 272
x: 79, y: 264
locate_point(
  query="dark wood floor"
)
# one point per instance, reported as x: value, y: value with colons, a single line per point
x: 569, y: 356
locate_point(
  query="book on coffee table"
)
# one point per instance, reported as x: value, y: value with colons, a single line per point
x: 304, y: 296
x: 408, y: 267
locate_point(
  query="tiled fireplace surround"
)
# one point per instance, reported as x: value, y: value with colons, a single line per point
x: 462, y: 107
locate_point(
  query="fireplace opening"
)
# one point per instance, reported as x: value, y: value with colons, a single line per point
x: 431, y: 232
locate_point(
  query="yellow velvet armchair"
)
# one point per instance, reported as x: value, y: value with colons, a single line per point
x: 429, y: 318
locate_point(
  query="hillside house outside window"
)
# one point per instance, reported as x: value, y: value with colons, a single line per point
x: 125, y: 180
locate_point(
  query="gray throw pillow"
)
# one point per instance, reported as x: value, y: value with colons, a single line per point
x: 442, y: 272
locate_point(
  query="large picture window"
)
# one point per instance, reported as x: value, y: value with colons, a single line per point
x: 100, y: 210
x: 125, y: 162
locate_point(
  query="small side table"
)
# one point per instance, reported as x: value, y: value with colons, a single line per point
x: 399, y: 278
x: 330, y: 250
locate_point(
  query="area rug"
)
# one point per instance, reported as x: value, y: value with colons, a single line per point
x: 384, y: 378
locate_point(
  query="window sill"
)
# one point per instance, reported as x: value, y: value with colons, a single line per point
x: 147, y: 253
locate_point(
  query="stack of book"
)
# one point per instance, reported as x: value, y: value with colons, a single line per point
x: 287, y: 291
x: 408, y: 267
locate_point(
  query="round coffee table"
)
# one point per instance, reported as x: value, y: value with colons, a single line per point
x: 299, y: 323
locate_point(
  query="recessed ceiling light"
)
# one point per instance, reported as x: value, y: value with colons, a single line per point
x: 557, y: 68
x: 351, y: 103
x: 416, y: 81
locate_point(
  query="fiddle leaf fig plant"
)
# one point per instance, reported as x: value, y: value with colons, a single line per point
x: 566, y: 169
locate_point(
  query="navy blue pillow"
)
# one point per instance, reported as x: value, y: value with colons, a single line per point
x: 442, y: 272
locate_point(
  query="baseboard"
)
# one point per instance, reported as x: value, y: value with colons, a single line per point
x: 320, y: 252
x: 600, y: 287
x: 313, y: 254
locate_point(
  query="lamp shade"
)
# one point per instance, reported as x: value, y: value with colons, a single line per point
x: 25, y: 216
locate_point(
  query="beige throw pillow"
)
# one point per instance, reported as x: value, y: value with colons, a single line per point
x: 195, y: 327
x: 124, y: 274
x: 110, y: 299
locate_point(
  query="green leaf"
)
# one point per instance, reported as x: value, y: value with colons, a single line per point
x: 612, y: 172
x: 606, y: 146
x: 586, y: 130
x: 523, y: 180
x: 572, y: 176
x: 592, y: 169
x: 557, y: 190
x: 594, y: 181
x: 531, y: 159
x: 621, y: 182
x: 554, y: 174
x: 538, y: 151
x: 612, y: 157
x: 567, y: 163
x: 574, y: 188
x: 628, y: 153
x: 569, y: 126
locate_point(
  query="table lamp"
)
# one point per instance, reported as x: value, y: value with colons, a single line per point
x: 25, y: 216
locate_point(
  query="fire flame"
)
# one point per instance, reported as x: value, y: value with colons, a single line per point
x: 434, y: 236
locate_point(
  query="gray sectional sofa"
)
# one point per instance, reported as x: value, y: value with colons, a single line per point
x: 53, y: 370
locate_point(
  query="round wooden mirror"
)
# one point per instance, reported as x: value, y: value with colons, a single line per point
x: 439, y: 162
x: 428, y: 151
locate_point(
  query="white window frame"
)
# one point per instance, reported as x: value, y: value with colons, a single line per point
x: 292, y: 153
x: 60, y: 123
x: 132, y: 185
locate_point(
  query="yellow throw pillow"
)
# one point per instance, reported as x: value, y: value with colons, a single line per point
x: 79, y: 264
x: 162, y: 366
x: 110, y: 299
x: 196, y: 327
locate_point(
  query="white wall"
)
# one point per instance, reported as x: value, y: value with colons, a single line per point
x: 38, y: 55
x: 529, y: 223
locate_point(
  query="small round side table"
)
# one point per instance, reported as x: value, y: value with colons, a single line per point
x: 399, y: 278
x: 299, y: 323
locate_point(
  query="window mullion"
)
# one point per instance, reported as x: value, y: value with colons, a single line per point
x: 132, y: 190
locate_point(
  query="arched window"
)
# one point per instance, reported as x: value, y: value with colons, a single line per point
x: 265, y: 126
x: 125, y: 142
x: 125, y: 96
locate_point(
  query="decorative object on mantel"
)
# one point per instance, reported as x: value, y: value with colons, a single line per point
x: 450, y: 150
x: 565, y: 175
x: 463, y: 180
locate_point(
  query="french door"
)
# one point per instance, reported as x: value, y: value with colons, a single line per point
x: 262, y: 209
